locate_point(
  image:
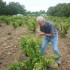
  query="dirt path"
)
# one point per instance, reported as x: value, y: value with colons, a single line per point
x: 9, y: 44
x: 64, y: 46
x: 10, y: 50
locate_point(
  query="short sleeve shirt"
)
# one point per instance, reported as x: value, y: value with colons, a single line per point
x: 48, y: 28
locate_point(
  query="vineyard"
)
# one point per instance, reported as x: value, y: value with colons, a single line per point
x: 62, y: 24
x: 29, y: 43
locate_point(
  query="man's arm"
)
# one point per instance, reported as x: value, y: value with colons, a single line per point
x: 50, y: 35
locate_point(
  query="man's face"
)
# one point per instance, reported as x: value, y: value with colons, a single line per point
x: 41, y: 23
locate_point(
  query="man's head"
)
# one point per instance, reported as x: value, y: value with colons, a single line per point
x: 41, y: 21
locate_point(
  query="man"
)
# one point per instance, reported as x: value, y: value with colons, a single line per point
x: 50, y: 35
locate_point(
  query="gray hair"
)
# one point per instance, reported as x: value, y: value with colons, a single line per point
x: 40, y: 18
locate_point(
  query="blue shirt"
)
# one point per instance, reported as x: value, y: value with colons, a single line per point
x: 48, y: 28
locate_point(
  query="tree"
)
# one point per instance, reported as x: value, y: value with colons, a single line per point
x: 2, y: 7
x: 15, y: 8
x: 59, y: 10
x: 12, y: 8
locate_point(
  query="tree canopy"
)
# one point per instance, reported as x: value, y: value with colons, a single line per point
x: 12, y: 8
x: 59, y: 10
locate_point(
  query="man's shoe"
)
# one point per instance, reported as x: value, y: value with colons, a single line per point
x: 59, y: 62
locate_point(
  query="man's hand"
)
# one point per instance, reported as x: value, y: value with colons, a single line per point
x: 41, y: 33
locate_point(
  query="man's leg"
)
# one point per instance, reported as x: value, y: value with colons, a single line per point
x: 54, y: 42
x: 44, y: 44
